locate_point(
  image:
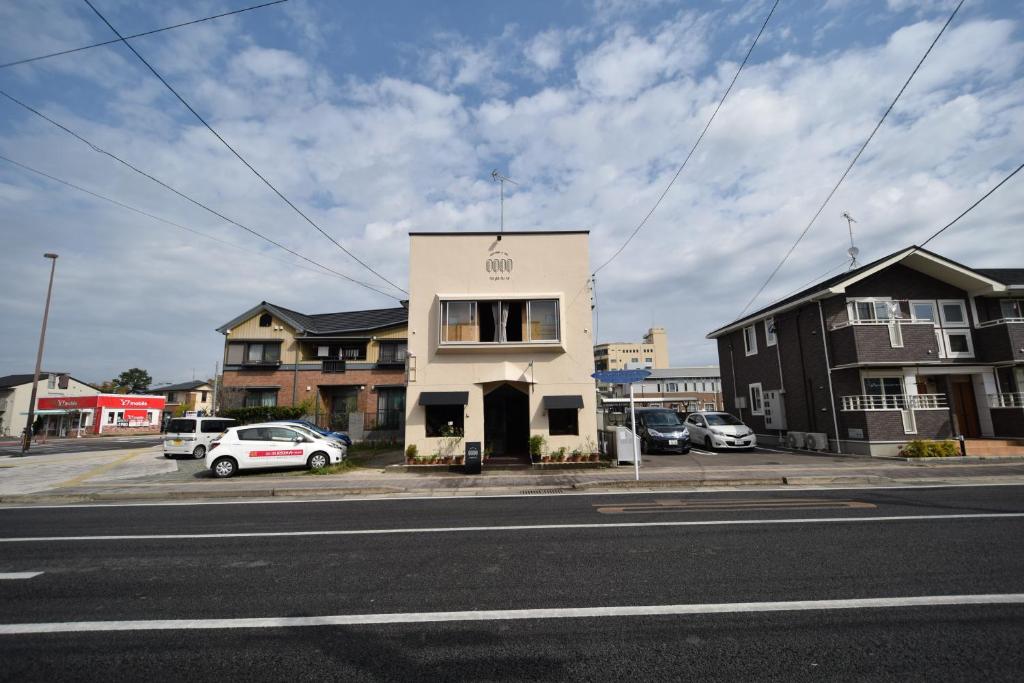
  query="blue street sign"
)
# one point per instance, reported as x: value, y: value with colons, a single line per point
x: 621, y: 376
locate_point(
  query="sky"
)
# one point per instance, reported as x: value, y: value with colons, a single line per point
x: 380, y: 118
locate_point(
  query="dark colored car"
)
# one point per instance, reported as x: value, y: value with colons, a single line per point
x: 661, y: 430
x: 340, y: 436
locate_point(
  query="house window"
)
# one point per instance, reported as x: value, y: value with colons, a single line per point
x: 543, y: 320
x: 500, y: 322
x: 444, y: 420
x: 260, y: 398
x: 459, y: 322
x: 873, y: 310
x: 709, y: 406
x: 750, y: 340
x: 953, y: 313
x: 202, y: 396
x: 353, y: 352
x: 323, y: 351
x: 1012, y: 308
x: 266, y: 320
x: 756, y: 405
x: 648, y: 360
x: 769, y: 332
x: 923, y: 311
x: 563, y: 421
x: 672, y: 386
x: 240, y: 353
x: 958, y: 344
x: 885, y: 392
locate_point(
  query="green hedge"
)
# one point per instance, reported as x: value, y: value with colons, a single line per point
x: 931, y: 449
x: 252, y: 414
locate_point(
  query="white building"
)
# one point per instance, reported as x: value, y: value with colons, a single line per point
x: 16, y: 390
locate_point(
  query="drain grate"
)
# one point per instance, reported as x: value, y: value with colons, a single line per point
x: 531, y: 492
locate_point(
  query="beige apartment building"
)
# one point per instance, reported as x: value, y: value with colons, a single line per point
x: 500, y: 342
x: 649, y: 354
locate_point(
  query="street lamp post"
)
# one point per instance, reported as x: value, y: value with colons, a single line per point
x: 27, y: 438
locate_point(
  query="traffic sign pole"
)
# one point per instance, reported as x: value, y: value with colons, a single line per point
x: 636, y: 449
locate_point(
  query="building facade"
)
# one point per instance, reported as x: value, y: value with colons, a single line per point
x: 651, y: 353
x: 187, y: 396
x: 347, y: 369
x: 500, y: 342
x: 102, y: 414
x: 16, y: 392
x: 685, y: 390
x: 911, y: 346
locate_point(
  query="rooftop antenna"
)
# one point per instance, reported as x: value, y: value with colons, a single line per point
x: 853, y: 251
x: 501, y: 180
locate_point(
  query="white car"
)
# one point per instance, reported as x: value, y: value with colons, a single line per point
x: 719, y: 430
x: 193, y: 435
x: 270, y: 445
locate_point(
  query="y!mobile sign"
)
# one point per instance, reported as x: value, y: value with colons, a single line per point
x: 117, y: 401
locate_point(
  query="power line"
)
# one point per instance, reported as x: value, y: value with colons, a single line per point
x: 233, y: 151
x: 971, y: 207
x: 695, y: 144
x: 97, y: 195
x: 140, y: 35
x: 854, y: 160
x: 100, y: 150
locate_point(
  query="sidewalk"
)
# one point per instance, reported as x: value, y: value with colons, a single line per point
x: 146, y: 475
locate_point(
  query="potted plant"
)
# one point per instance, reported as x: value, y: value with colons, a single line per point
x: 411, y: 454
x: 537, y: 449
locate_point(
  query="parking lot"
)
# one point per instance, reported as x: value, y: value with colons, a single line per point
x: 702, y: 457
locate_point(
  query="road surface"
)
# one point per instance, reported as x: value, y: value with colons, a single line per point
x: 879, y: 584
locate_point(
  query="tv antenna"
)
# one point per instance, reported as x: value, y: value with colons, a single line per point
x: 501, y: 180
x: 853, y: 251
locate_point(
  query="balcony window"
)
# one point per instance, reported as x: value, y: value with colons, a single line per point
x: 1012, y: 308
x: 886, y: 392
x: 242, y: 353
x: 954, y: 313
x: 923, y: 311
x: 499, y: 322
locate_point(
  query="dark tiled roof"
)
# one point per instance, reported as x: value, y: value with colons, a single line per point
x: 182, y: 386
x: 1008, y: 276
x: 18, y: 380
x: 356, y: 321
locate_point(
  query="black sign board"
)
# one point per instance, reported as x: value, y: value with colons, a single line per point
x: 474, y: 461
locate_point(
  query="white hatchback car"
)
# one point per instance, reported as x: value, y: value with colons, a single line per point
x: 719, y: 430
x: 270, y: 445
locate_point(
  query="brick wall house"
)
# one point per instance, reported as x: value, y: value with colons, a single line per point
x: 913, y: 345
x: 347, y: 368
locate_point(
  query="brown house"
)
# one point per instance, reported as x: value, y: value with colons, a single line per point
x: 911, y: 346
x: 347, y: 368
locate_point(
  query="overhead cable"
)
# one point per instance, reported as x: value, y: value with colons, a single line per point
x: 235, y: 152
x: 695, y: 144
x: 853, y: 161
x: 139, y: 35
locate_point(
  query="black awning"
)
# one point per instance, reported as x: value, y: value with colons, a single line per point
x: 444, y: 398
x: 559, y: 402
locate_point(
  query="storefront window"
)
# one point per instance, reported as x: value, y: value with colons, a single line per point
x: 444, y: 420
x: 563, y: 421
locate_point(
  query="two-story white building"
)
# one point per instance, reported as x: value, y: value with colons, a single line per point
x: 500, y: 341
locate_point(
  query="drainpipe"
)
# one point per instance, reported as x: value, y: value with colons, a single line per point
x: 732, y: 368
x: 828, y: 366
x: 295, y: 375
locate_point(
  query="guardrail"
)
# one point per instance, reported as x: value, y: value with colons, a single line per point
x: 895, y: 402
x: 1013, y: 399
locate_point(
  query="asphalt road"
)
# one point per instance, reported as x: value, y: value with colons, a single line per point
x: 418, y: 558
x: 83, y: 445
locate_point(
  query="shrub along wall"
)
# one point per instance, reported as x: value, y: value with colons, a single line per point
x: 252, y: 414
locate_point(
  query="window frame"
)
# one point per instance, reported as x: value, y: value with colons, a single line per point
x: 262, y: 393
x: 748, y: 347
x: 959, y: 331
x: 572, y: 426
x: 942, y: 303
x: 924, y: 302
x: 759, y: 410
x: 770, y: 336
x: 527, y: 321
x: 454, y: 408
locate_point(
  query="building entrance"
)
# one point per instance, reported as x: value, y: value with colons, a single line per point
x: 507, y: 422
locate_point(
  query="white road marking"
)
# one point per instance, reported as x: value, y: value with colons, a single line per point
x: 512, y: 614
x: 521, y: 527
x: 377, y: 498
x: 16, y: 576
x: 702, y: 452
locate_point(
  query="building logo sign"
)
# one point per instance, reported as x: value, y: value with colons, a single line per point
x: 499, y: 265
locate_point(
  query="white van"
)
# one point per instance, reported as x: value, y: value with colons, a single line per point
x: 192, y: 435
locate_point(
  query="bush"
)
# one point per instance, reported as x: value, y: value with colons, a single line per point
x: 536, y: 447
x: 411, y: 452
x: 252, y: 414
x: 921, y: 448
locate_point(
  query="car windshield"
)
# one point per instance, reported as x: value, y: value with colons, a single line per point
x: 181, y: 426
x: 662, y: 419
x: 721, y: 419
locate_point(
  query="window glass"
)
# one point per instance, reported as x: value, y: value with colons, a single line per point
x: 255, y: 353
x: 252, y: 434
x: 661, y: 418
x: 923, y: 311
x: 459, y: 321
x: 755, y: 399
x: 563, y: 421
x: 260, y: 398
x: 236, y: 353
x: 769, y: 331
x: 750, y: 340
x: 953, y: 313
x: 282, y: 434
x: 265, y: 320
x: 958, y: 343
x: 1011, y: 308
x: 722, y: 420
x: 214, y: 426
x: 445, y: 419
x: 544, y: 320
x: 323, y: 351
x: 181, y: 426
x: 272, y: 352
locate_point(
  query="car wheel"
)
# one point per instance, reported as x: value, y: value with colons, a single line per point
x: 318, y: 461
x: 199, y: 453
x: 167, y: 455
x: 707, y: 443
x: 686, y: 450
x: 224, y: 468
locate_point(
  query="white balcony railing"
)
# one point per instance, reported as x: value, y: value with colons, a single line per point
x: 1006, y: 400
x: 895, y: 402
x: 1000, y: 321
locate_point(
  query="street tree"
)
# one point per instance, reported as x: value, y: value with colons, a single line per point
x: 133, y: 380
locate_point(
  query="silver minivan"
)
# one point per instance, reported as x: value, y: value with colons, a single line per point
x: 192, y: 435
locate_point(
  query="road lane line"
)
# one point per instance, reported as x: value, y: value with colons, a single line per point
x: 17, y: 576
x: 521, y: 527
x: 512, y: 614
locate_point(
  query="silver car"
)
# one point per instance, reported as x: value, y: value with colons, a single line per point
x: 719, y: 430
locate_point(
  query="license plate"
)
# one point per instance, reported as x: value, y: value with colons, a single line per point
x: 673, y: 442
x: 178, y: 442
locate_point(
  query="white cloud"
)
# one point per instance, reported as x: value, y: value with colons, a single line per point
x: 545, y: 49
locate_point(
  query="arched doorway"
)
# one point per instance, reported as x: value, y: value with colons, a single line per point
x: 507, y: 422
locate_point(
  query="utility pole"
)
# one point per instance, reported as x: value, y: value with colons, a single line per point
x: 26, y: 441
x: 216, y: 386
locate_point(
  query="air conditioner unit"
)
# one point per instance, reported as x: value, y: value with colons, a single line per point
x: 795, y: 439
x: 817, y: 441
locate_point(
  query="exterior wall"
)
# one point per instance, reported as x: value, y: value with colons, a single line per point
x: 658, y: 338
x: 1008, y: 422
x: 15, y: 407
x: 191, y: 398
x: 310, y: 380
x: 999, y: 342
x: 620, y: 355
x: 546, y: 265
x: 279, y: 329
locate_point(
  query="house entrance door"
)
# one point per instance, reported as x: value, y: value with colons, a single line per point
x: 344, y: 402
x: 507, y: 422
x: 964, y: 407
